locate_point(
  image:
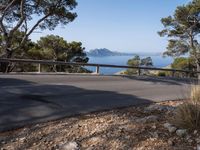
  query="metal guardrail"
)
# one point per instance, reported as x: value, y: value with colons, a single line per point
x: 48, y: 62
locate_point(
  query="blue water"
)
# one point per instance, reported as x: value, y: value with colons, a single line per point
x: 158, y: 61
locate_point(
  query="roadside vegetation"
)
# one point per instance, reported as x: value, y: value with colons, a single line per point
x: 180, y: 63
x: 138, y: 62
x: 187, y: 115
x: 15, y: 30
x: 183, y: 29
x: 165, y: 125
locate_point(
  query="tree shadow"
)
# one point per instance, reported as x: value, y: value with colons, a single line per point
x: 164, y: 80
x: 23, y: 102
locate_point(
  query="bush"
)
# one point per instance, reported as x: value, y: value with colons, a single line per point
x: 161, y: 74
x: 187, y: 115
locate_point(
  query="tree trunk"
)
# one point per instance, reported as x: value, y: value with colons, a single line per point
x: 5, y: 66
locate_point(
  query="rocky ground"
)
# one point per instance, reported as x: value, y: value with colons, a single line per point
x: 134, y: 128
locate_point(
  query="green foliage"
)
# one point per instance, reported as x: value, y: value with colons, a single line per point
x: 56, y: 48
x: 146, y: 62
x: 162, y: 74
x: 183, y: 29
x: 187, y: 115
x: 136, y: 62
x: 181, y: 63
x: 50, y: 47
x: 20, y: 18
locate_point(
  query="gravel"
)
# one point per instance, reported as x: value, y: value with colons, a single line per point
x: 132, y: 128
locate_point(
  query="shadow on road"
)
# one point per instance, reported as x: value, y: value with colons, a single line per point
x: 164, y: 80
x: 23, y: 102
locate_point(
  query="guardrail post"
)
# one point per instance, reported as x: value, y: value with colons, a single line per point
x: 173, y: 73
x: 97, y: 69
x: 39, y: 68
x: 139, y: 71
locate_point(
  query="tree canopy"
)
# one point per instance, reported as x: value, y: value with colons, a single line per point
x: 56, y: 48
x: 182, y: 29
x: 16, y: 15
x: 26, y: 16
x: 136, y: 61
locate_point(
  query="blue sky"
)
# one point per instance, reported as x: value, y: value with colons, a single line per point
x: 119, y: 25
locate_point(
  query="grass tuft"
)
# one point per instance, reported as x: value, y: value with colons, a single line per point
x: 187, y: 115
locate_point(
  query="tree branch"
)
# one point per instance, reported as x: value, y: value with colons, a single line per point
x: 2, y: 17
x: 22, y: 18
x: 32, y: 29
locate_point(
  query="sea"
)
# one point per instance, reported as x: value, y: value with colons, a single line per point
x: 158, y: 61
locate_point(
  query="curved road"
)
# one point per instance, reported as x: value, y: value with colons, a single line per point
x: 26, y: 99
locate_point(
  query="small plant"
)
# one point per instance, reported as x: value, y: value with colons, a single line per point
x: 187, y: 115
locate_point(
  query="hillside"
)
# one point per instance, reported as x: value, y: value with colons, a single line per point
x: 105, y: 52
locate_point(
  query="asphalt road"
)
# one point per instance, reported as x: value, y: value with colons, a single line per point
x: 27, y: 99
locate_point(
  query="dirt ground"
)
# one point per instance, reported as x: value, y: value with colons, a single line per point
x: 133, y: 128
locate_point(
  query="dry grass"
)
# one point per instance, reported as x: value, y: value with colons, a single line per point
x: 195, y: 95
x: 187, y: 115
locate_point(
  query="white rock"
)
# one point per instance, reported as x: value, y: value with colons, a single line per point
x: 154, y: 126
x: 69, y: 146
x: 195, y: 131
x: 167, y: 125
x: 22, y: 139
x: 172, y: 129
x: 181, y: 132
x: 198, y: 147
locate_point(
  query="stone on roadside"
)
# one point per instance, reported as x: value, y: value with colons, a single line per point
x: 181, y: 132
x: 69, y: 146
x: 195, y: 132
x: 170, y: 128
x: 167, y: 125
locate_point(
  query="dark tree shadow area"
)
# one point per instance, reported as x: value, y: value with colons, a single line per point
x: 23, y: 102
x: 164, y: 80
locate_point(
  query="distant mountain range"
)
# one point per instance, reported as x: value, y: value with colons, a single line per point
x: 103, y: 52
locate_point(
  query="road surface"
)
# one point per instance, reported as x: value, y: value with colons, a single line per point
x: 27, y: 99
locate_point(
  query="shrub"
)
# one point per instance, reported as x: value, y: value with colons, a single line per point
x: 187, y: 115
x: 161, y: 74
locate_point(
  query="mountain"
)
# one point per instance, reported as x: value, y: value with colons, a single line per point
x: 105, y: 52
